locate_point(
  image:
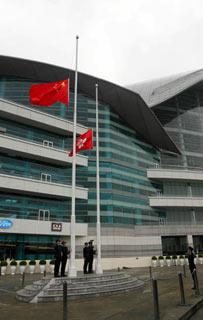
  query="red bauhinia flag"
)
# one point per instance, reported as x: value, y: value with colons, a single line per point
x: 46, y: 94
x: 84, y: 142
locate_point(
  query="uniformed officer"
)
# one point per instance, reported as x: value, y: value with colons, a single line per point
x: 65, y: 254
x: 86, y: 257
x: 91, y: 256
x: 57, y: 256
x: 192, y: 266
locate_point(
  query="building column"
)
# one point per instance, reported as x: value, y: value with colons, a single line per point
x: 193, y: 216
x: 189, y: 190
x: 182, y: 143
x: 190, y: 240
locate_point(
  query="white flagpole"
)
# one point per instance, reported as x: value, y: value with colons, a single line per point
x: 72, y: 271
x: 98, y: 261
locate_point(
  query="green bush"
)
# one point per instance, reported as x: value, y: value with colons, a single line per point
x: 174, y: 257
x: 42, y: 262
x: 168, y: 257
x: 154, y: 258
x: 32, y: 262
x: 181, y: 257
x: 52, y: 262
x: 200, y: 255
x: 3, y: 263
x: 161, y: 258
x: 13, y: 263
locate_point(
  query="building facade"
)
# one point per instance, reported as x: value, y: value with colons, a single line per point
x: 177, y: 101
x: 35, y: 170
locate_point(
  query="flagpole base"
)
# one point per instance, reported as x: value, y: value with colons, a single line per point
x: 98, y: 268
x: 72, y: 271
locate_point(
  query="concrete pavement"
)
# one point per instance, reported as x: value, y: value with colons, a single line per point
x: 129, y: 306
x: 198, y: 315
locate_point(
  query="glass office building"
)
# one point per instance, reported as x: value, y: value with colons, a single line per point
x: 35, y: 170
x: 177, y: 101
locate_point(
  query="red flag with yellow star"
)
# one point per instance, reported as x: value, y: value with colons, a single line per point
x: 46, y: 94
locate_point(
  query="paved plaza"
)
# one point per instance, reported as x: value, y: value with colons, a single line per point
x: 136, y: 305
x: 198, y: 315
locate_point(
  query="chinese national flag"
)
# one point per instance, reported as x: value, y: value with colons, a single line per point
x: 46, y: 94
x: 84, y: 142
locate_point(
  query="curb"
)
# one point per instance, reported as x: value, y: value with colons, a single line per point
x: 195, y: 307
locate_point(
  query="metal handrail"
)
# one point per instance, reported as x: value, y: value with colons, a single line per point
x: 175, y: 167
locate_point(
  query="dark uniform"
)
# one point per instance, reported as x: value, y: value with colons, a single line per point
x: 64, y: 257
x: 86, y: 257
x: 91, y: 257
x: 57, y: 256
x: 192, y: 266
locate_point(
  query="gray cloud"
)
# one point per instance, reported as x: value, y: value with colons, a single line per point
x: 122, y: 41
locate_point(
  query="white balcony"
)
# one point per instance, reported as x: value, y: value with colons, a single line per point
x: 37, y: 118
x: 38, y: 152
x: 175, y: 174
x: 187, y: 202
x: 38, y: 187
x: 37, y: 227
x: 169, y: 229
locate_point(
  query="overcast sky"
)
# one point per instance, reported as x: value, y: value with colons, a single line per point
x: 123, y: 41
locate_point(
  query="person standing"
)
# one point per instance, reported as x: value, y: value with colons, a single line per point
x: 57, y: 256
x: 192, y: 265
x: 86, y: 257
x: 91, y: 256
x: 65, y: 254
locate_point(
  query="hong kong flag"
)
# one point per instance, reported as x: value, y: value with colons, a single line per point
x: 84, y: 142
x: 46, y: 94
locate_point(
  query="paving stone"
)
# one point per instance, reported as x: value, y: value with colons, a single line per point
x: 133, y: 305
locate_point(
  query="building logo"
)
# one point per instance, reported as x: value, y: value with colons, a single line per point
x: 6, y: 224
x: 55, y: 226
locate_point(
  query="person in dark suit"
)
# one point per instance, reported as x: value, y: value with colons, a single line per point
x: 192, y: 265
x: 92, y: 252
x: 57, y: 257
x: 64, y: 256
x: 86, y: 257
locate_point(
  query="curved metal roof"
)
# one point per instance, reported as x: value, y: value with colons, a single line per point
x: 159, y: 90
x: 128, y: 104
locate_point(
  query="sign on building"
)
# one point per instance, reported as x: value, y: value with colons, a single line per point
x: 56, y: 226
x: 6, y: 224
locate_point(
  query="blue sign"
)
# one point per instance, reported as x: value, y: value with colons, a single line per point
x: 5, y: 224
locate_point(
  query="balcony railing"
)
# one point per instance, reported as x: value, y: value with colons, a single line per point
x: 175, y: 167
x: 60, y: 179
x: 175, y: 201
x: 34, y: 186
x: 11, y: 214
x: 58, y: 150
x: 26, y: 138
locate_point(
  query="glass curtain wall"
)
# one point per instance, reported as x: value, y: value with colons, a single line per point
x: 182, y: 117
x: 124, y: 159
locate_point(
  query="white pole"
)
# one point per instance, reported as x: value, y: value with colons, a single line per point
x: 98, y: 261
x: 72, y: 271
